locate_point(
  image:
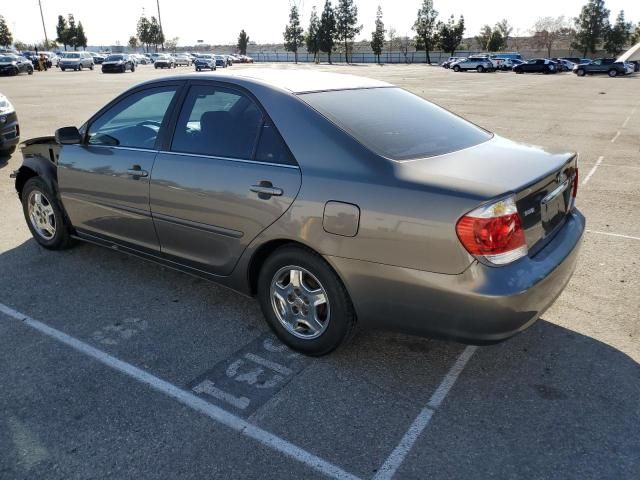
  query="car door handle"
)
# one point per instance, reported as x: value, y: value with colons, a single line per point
x: 136, y: 171
x: 266, y: 191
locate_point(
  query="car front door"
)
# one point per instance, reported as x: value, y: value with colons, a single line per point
x: 225, y: 177
x: 104, y: 182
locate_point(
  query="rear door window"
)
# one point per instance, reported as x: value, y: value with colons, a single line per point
x: 395, y: 123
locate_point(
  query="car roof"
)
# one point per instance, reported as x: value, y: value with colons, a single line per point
x: 295, y: 81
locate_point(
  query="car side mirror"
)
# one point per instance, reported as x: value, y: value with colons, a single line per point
x: 68, y: 136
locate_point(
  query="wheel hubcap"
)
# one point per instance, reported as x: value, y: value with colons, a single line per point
x: 41, y: 215
x: 300, y: 302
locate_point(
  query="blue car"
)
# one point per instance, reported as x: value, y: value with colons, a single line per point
x: 221, y: 61
x: 204, y: 62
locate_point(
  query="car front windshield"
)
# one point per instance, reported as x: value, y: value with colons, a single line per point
x: 395, y: 123
x: 114, y: 58
x: 6, y: 59
x: 72, y: 55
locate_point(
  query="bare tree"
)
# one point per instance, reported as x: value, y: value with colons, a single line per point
x: 547, y: 30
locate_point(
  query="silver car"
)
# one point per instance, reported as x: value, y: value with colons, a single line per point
x: 480, y: 64
x: 335, y: 200
x: 76, y: 61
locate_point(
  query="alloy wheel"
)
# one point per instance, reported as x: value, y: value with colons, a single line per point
x: 300, y: 302
x: 41, y: 215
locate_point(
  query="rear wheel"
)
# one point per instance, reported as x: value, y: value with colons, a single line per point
x: 613, y: 72
x: 580, y: 72
x: 62, y: 68
x: 91, y: 67
x: 304, y: 301
x: 480, y: 69
x: 44, y: 215
x: 456, y: 68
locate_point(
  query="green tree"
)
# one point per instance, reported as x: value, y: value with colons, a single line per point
x: 425, y: 27
x: 133, y: 42
x: 617, y: 37
x: 327, y: 33
x: 377, y: 36
x: 72, y: 31
x: 450, y: 34
x: 81, y: 37
x: 62, y: 32
x: 293, y: 33
x: 483, y: 38
x: 591, y: 26
x: 243, y: 41
x: 20, y: 46
x: 312, y: 38
x: 347, y: 24
x: 6, y: 38
x: 156, y: 37
x: 172, y: 44
x: 505, y: 30
x: 496, y: 42
x: 143, y: 30
x: 635, y: 36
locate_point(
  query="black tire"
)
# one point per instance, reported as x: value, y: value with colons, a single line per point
x: 480, y: 68
x: 15, y: 71
x: 7, y: 151
x: 456, y: 68
x: 581, y: 72
x: 342, y: 319
x: 133, y: 68
x: 91, y: 67
x: 62, y: 68
x: 613, y: 73
x: 62, y: 237
x: 30, y: 71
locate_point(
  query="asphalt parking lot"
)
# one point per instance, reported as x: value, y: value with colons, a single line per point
x: 115, y: 368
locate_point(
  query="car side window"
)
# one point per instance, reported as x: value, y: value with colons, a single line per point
x: 134, y: 121
x: 217, y: 121
x: 271, y: 147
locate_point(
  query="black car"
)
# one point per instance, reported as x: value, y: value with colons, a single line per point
x: 204, y: 62
x: 118, y: 63
x: 13, y: 65
x: 9, y: 129
x: 537, y: 65
x: 604, y: 65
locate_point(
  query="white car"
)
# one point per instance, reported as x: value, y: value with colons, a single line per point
x: 182, y: 59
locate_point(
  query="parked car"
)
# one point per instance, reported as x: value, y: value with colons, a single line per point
x: 516, y: 61
x: 9, y: 127
x: 118, y: 63
x: 576, y: 60
x: 221, y: 61
x: 97, y: 58
x: 325, y: 235
x: 481, y: 64
x: 13, y: 65
x: 563, y: 65
x: 164, y: 61
x: 245, y: 59
x: 182, y: 59
x: 536, y: 65
x: 447, y: 63
x: 76, y: 61
x: 204, y: 62
x: 603, y: 65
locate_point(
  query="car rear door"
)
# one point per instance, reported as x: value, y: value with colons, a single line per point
x: 225, y: 177
x: 104, y: 182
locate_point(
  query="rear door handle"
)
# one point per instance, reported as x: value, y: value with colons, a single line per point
x: 137, y: 171
x: 267, y: 191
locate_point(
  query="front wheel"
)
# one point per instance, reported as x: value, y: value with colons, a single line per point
x: 44, y: 215
x: 581, y: 72
x: 91, y: 67
x: 613, y: 72
x: 456, y: 68
x: 62, y: 69
x: 304, y: 301
x: 480, y: 69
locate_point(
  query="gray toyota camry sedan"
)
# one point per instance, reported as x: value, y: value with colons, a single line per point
x: 335, y: 200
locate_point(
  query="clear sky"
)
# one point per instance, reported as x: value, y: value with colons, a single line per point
x: 218, y: 22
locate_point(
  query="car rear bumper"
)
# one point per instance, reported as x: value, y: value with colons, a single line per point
x: 9, y: 131
x: 482, y: 305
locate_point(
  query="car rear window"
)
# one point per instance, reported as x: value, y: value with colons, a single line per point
x: 395, y: 123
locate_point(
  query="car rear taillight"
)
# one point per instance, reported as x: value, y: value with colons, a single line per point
x: 494, y: 232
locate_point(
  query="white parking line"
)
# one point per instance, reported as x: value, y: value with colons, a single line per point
x: 615, y: 137
x: 613, y: 234
x: 592, y: 171
x: 213, y: 412
x: 398, y: 455
x: 626, y: 120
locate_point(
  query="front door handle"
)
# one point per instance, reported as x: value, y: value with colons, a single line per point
x: 137, y: 171
x: 266, y: 190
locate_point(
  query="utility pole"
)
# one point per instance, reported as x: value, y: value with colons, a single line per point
x: 160, y: 22
x: 46, y: 40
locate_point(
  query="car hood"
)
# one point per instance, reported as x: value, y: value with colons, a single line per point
x: 485, y: 171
